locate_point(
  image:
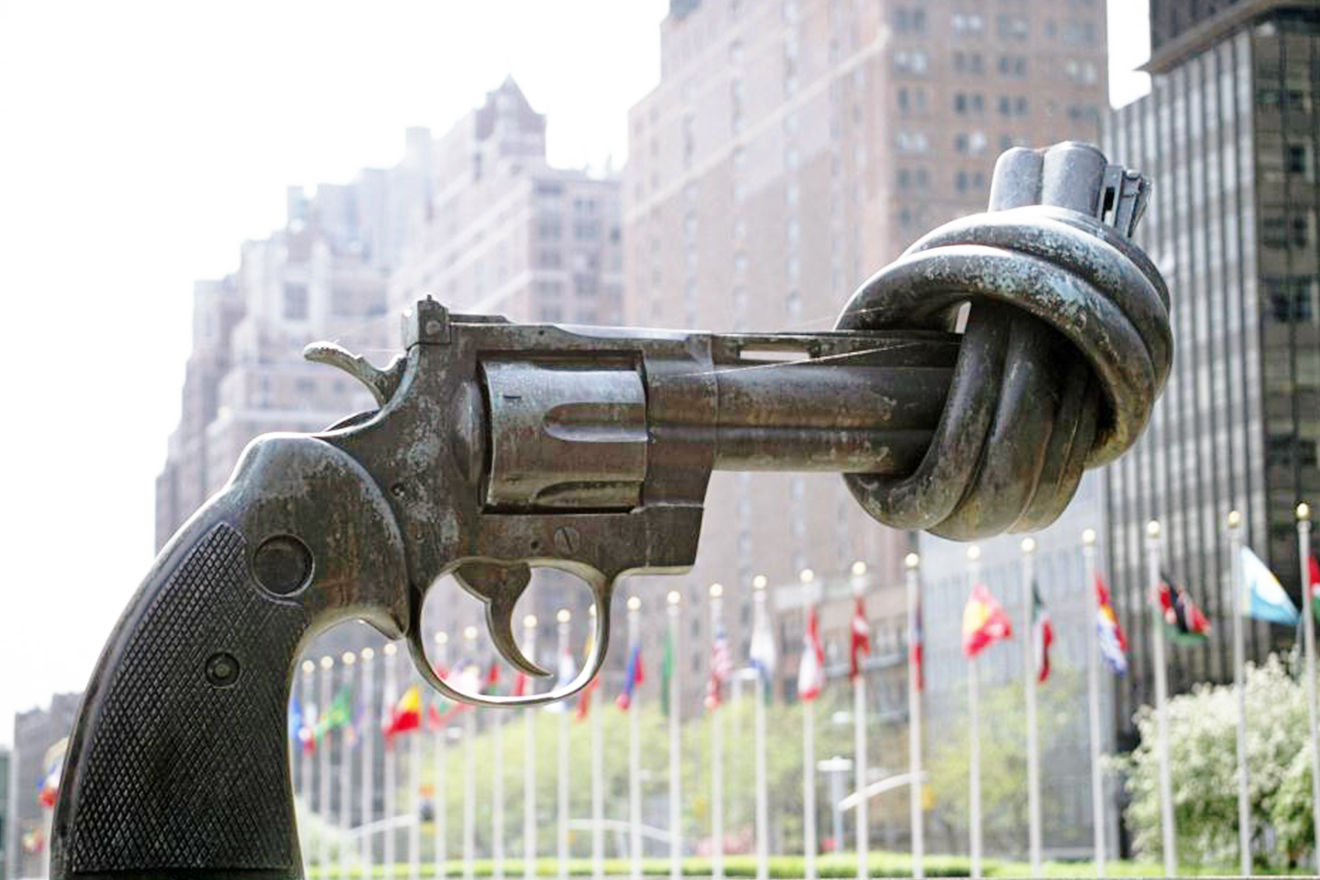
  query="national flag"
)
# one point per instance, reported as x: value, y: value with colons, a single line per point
x: 340, y: 713
x: 632, y: 678
x: 584, y: 696
x: 666, y: 673
x: 1264, y: 598
x: 1313, y: 589
x: 1112, y: 642
x: 984, y: 622
x: 48, y: 786
x: 811, y: 668
x: 520, y: 684
x: 307, y: 732
x: 1042, y: 634
x: 1183, y: 621
x: 405, y: 715
x: 916, y: 649
x: 295, y: 720
x: 492, y: 685
x: 761, y: 653
x: 721, y: 667
x: 860, y: 644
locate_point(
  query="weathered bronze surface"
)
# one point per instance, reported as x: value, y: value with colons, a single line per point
x: 499, y: 447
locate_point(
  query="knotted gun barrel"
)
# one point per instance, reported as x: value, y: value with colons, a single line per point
x: 500, y: 447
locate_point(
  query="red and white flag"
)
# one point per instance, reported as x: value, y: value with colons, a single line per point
x: 721, y: 667
x: 811, y: 670
x: 861, y: 639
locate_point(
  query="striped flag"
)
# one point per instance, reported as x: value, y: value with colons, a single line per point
x: 1042, y: 634
x: 1313, y: 589
x: 1265, y: 598
x: 811, y: 669
x: 984, y: 622
x: 721, y: 667
x: 916, y: 649
x: 1183, y: 620
x: 860, y: 644
x: 634, y: 676
x: 1113, y: 644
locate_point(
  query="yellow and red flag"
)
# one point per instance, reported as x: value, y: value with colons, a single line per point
x: 984, y: 622
x: 405, y: 715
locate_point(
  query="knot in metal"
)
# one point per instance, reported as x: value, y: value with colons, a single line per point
x: 1065, y: 349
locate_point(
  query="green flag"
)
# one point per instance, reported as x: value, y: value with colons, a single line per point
x: 340, y: 713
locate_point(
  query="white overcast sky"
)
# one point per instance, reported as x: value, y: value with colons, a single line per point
x: 140, y: 144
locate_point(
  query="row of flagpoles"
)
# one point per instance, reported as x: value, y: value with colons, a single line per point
x: 1258, y: 594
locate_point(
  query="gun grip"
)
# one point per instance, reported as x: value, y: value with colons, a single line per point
x: 178, y: 764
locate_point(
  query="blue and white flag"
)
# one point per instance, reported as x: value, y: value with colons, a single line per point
x: 1264, y: 598
x: 761, y: 652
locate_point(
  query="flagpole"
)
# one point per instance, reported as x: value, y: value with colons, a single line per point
x: 1240, y: 690
x: 1093, y: 703
x: 562, y: 619
x: 859, y: 744
x: 391, y: 760
x: 529, y: 761
x: 716, y: 752
x: 497, y: 793
x: 323, y: 762
x: 675, y: 744
x: 305, y: 759
x: 634, y: 749
x: 1161, y: 699
x: 369, y: 725
x: 974, y: 731
x: 345, y: 768
x: 415, y: 789
x: 440, y: 805
x: 597, y: 783
x: 809, y: 833
x: 469, y: 771
x: 915, y: 787
x: 758, y: 720
x: 1031, y: 674
x: 1308, y: 613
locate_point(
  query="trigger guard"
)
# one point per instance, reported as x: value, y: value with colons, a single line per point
x: 600, y: 644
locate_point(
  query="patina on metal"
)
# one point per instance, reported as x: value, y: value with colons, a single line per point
x: 499, y: 447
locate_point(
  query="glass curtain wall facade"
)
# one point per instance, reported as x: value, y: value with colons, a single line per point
x: 1229, y: 135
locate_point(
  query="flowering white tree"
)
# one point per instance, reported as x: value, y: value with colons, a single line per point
x: 1203, y: 762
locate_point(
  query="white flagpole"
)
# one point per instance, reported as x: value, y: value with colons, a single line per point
x: 675, y: 744
x: 597, y: 782
x: 1093, y: 704
x: 345, y: 769
x: 469, y: 772
x: 391, y: 758
x: 1308, y: 613
x: 563, y: 618
x: 415, y: 789
x: 529, y: 761
x: 323, y: 782
x: 809, y: 834
x: 974, y: 728
x: 758, y: 716
x: 1161, y: 698
x: 305, y: 759
x: 915, y: 787
x: 370, y: 724
x: 1240, y: 688
x: 440, y: 806
x: 497, y: 794
x: 859, y: 745
x: 716, y: 752
x: 1031, y: 675
x: 634, y: 751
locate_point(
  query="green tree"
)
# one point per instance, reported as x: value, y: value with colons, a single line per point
x: 1203, y: 767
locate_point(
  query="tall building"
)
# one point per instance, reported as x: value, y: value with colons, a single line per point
x: 1229, y: 134
x: 789, y: 150
x: 35, y: 731
x: 7, y: 790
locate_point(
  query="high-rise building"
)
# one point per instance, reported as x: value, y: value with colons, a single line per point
x: 792, y: 148
x: 1229, y: 134
x: 26, y: 827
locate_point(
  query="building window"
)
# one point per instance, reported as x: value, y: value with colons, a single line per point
x: 968, y: 23
x: 295, y: 302
x: 1013, y: 66
x: 911, y: 61
x: 1280, y: 232
x: 1289, y: 450
x: 1013, y: 27
x: 911, y: 141
x: 1291, y: 300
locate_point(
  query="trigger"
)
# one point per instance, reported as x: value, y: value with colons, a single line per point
x: 500, y: 587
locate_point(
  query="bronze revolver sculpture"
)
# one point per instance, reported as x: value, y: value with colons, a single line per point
x: 498, y: 447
